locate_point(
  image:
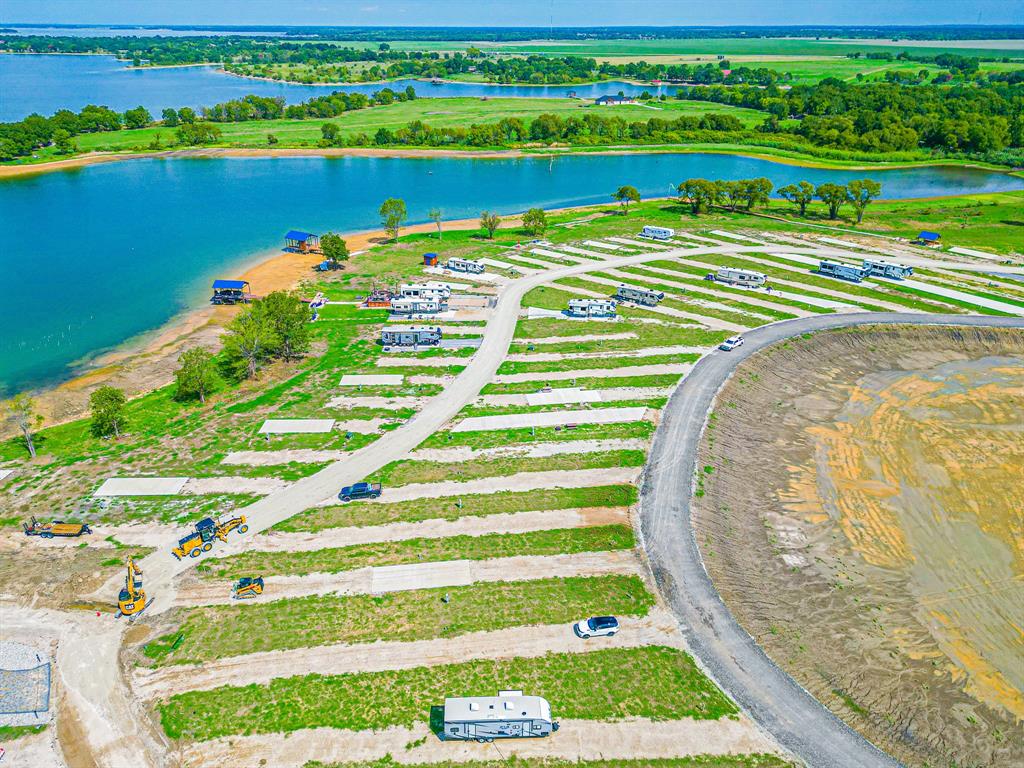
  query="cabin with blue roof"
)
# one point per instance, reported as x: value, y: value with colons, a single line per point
x: 929, y: 238
x: 231, y: 292
x: 301, y: 242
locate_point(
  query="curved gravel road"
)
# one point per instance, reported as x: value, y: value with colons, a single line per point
x: 770, y: 696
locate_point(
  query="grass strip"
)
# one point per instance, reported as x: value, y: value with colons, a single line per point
x: 588, y: 363
x: 406, y: 472
x: 563, y: 541
x: 655, y: 682
x: 505, y: 410
x: 221, y: 631
x: 647, y: 335
x: 614, y: 382
x: 513, y: 437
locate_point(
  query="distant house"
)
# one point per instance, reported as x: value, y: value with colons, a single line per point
x: 929, y: 238
x: 612, y: 101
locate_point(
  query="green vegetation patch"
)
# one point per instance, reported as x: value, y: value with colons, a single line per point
x: 654, y: 682
x: 407, y: 472
x: 220, y: 631
x: 586, y: 382
x: 511, y: 437
x: 590, y: 363
x: 363, y: 513
x: 555, y: 542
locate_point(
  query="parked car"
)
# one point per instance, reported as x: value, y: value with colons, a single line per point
x: 360, y: 491
x: 731, y: 343
x: 596, y: 626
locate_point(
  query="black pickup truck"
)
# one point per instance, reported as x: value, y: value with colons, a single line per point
x: 360, y: 491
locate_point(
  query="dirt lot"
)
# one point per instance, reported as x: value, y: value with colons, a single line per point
x: 860, y: 509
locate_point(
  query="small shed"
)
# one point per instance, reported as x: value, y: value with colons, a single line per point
x: 929, y: 238
x: 303, y: 242
x: 430, y: 259
x: 230, y: 292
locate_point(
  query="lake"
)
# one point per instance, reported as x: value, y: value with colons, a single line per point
x: 95, y: 256
x: 44, y: 83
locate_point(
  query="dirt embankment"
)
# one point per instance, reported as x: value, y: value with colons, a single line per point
x: 860, y: 512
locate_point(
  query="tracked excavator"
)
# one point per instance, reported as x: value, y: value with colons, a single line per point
x: 132, y: 599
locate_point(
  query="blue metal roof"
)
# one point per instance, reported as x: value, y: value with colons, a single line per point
x: 236, y: 284
x: 299, y: 235
x: 928, y: 235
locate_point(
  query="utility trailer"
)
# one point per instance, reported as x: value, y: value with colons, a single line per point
x: 464, y: 265
x: 638, y: 295
x: 736, y: 276
x: 509, y: 715
x: 57, y: 528
x: 591, y: 308
x: 410, y: 336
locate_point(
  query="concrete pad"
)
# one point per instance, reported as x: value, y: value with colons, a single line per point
x: 642, y: 244
x: 572, y: 339
x: 141, y: 486
x: 550, y: 419
x: 979, y: 254
x: 296, y: 426
x: 606, y: 246
x: 497, y: 263
x: 386, y: 361
x: 398, y: 578
x: 5, y: 473
x: 565, y: 257
x: 372, y: 380
x: 563, y: 396
x: 482, y: 277
x: 473, y: 343
x: 698, y: 238
x: 597, y: 255
x: 734, y: 236
x: 362, y: 426
x: 353, y: 401
x: 286, y: 456
x: 261, y: 486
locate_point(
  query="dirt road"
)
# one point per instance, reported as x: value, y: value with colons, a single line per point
x: 735, y: 661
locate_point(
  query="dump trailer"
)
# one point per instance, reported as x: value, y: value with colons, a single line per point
x: 509, y: 715
x: 247, y: 588
x: 360, y: 491
x: 638, y: 295
x: 56, y: 528
x: 131, y: 600
x: 201, y: 538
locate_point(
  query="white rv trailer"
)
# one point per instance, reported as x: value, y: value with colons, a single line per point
x: 413, y: 306
x: 509, y: 715
x: 737, y: 276
x: 882, y: 268
x: 657, y: 233
x: 410, y: 335
x: 464, y: 265
x: 591, y: 308
x: 638, y: 295
x: 421, y: 291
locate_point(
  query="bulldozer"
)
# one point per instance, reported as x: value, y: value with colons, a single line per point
x: 201, y: 538
x: 56, y: 528
x: 131, y: 601
x: 247, y: 588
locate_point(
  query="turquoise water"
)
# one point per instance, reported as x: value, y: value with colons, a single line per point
x: 95, y: 256
x: 46, y: 83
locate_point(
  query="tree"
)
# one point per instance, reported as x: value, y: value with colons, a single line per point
x: 334, y: 248
x: 490, y: 222
x: 170, y: 117
x: 197, y: 375
x: 860, y: 193
x: 701, y: 194
x: 107, y: 406
x: 756, y: 191
x: 833, y: 195
x: 535, y: 221
x: 329, y: 131
x: 249, y: 342
x: 186, y: 115
x: 799, y: 194
x: 731, y: 193
x: 21, y: 409
x: 62, y: 142
x: 137, y: 118
x: 626, y: 195
x: 392, y: 215
x: 434, y: 214
x: 288, y: 317
x: 271, y: 139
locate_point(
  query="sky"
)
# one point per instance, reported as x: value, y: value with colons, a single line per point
x: 514, y: 12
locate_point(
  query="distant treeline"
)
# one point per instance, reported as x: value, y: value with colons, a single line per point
x: 909, y: 32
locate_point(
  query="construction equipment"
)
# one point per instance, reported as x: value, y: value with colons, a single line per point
x: 247, y: 588
x: 131, y: 601
x: 56, y: 528
x: 201, y: 539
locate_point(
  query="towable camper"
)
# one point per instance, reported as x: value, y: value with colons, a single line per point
x: 410, y: 336
x: 464, y: 265
x: 657, y: 233
x: 509, y: 715
x: 638, y: 295
x: 735, y: 276
x: 591, y: 308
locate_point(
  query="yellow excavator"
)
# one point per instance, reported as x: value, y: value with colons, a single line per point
x: 132, y: 599
x: 247, y: 588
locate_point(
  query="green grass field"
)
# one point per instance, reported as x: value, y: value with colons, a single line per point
x: 221, y: 631
x: 654, y: 682
x: 604, y: 538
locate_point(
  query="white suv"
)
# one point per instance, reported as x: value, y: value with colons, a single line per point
x: 731, y: 343
x: 596, y: 626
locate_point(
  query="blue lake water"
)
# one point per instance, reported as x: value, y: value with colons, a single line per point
x: 45, y: 83
x: 95, y: 256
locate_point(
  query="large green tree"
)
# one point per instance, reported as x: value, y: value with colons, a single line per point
x: 731, y: 192
x: 860, y: 193
x: 137, y: 118
x: 250, y: 341
x: 21, y: 411
x: 625, y: 195
x: 107, y: 407
x: 799, y: 194
x: 701, y: 194
x: 392, y: 216
x: 490, y: 222
x: 756, y: 191
x: 334, y: 248
x: 288, y: 316
x: 197, y: 375
x: 833, y: 195
x: 535, y: 221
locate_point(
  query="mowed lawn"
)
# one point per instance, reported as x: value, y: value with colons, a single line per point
x: 460, y: 112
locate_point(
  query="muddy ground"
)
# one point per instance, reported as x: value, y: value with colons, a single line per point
x: 861, y: 509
